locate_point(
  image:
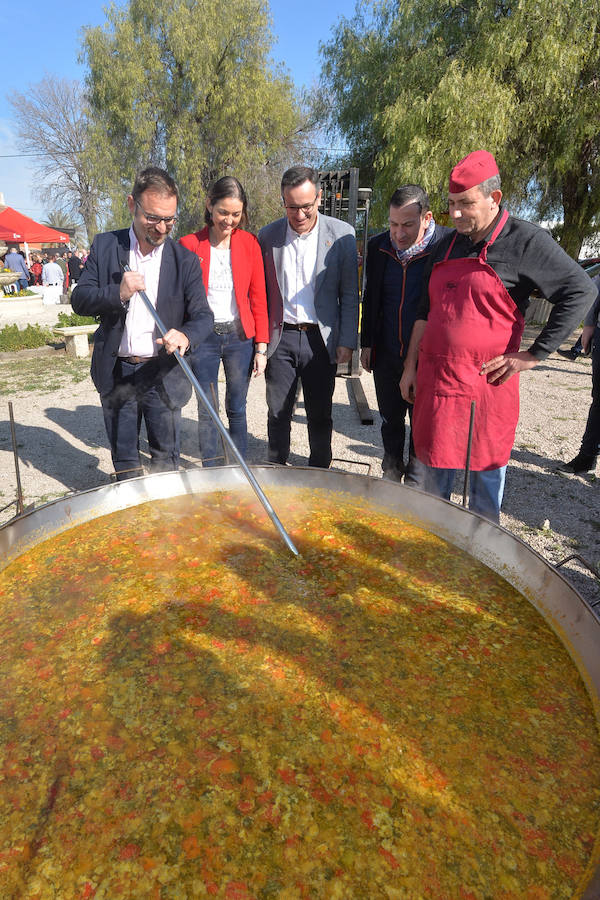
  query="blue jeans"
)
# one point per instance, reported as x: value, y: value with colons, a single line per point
x: 236, y: 353
x: 486, y: 489
x: 138, y: 392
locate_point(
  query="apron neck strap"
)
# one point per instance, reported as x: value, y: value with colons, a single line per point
x: 499, y: 226
x: 483, y: 255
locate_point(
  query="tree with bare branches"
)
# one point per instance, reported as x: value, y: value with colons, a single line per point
x: 52, y: 124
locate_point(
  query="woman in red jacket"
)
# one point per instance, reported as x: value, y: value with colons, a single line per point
x: 234, y: 279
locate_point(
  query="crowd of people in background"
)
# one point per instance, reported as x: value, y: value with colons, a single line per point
x: 70, y: 262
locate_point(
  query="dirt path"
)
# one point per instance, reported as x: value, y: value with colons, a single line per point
x: 62, y: 447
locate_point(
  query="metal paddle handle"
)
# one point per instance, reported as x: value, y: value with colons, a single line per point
x: 468, y: 459
x: 222, y: 430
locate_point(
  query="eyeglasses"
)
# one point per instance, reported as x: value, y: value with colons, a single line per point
x: 305, y: 210
x: 154, y: 220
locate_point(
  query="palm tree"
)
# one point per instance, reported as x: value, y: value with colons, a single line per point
x: 61, y: 221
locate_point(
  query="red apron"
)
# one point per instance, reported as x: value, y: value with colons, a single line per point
x: 472, y: 318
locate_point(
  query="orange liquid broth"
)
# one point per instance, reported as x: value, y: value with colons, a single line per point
x: 190, y: 711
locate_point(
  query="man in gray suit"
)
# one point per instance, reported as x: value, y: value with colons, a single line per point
x: 311, y: 272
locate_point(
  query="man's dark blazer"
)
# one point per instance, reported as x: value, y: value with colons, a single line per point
x: 181, y: 304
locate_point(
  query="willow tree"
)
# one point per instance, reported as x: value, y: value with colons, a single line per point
x: 442, y: 77
x: 188, y: 85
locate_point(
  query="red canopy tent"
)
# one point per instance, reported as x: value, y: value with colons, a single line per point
x: 7, y: 235
x: 14, y: 226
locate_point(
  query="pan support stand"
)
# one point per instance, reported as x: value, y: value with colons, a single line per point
x: 588, y: 566
x: 18, y: 501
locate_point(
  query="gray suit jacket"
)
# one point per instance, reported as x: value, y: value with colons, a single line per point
x: 336, y: 284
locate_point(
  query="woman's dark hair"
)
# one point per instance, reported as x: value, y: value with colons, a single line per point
x: 225, y: 187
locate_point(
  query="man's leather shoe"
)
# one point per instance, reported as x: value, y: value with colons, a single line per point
x: 568, y: 354
x: 579, y: 463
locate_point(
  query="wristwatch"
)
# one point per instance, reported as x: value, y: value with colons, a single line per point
x: 261, y: 352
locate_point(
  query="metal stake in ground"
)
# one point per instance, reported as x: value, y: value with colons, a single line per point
x: 468, y: 460
x: 221, y: 428
x: 20, y: 504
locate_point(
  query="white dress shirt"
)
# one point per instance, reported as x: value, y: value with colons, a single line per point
x: 299, y: 275
x: 139, y: 336
x: 52, y: 274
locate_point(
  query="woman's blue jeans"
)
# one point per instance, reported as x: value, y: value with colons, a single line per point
x: 236, y: 353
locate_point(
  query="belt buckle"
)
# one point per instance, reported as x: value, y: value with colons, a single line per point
x: 222, y: 328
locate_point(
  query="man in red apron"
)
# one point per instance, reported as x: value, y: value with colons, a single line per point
x: 468, y: 331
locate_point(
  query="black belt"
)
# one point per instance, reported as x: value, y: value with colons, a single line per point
x: 135, y: 360
x: 301, y: 326
x: 226, y: 327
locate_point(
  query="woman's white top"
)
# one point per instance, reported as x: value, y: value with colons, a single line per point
x: 221, y: 295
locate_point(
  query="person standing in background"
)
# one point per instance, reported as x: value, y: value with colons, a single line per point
x: 311, y: 272
x: 396, y: 262
x: 587, y: 458
x: 234, y: 280
x: 52, y: 280
x: 133, y: 368
x: 15, y: 262
x: 465, y: 345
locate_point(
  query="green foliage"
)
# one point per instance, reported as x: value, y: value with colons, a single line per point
x: 357, y: 82
x: 62, y: 221
x: 41, y: 374
x: 29, y: 338
x: 417, y: 84
x: 66, y: 320
x: 188, y: 85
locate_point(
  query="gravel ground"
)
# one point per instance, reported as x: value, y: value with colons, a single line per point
x: 62, y: 443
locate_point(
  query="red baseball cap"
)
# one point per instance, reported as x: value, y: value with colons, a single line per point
x: 471, y: 171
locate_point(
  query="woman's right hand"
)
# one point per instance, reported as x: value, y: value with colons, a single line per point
x: 260, y: 359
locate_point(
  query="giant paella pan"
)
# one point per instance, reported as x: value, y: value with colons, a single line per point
x: 408, y: 709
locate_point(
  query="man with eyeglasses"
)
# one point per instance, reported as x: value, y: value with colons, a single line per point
x: 311, y: 272
x: 133, y: 368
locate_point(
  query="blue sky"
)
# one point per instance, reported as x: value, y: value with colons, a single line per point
x: 48, y: 44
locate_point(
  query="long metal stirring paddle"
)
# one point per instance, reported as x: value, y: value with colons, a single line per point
x: 225, y: 434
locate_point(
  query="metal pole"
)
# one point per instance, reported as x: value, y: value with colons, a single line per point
x: 364, y: 252
x: 468, y: 460
x: 221, y: 428
x: 353, y: 196
x: 13, y: 434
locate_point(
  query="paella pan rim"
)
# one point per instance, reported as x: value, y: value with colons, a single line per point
x: 553, y: 596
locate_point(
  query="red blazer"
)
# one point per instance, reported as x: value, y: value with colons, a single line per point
x: 248, y: 278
